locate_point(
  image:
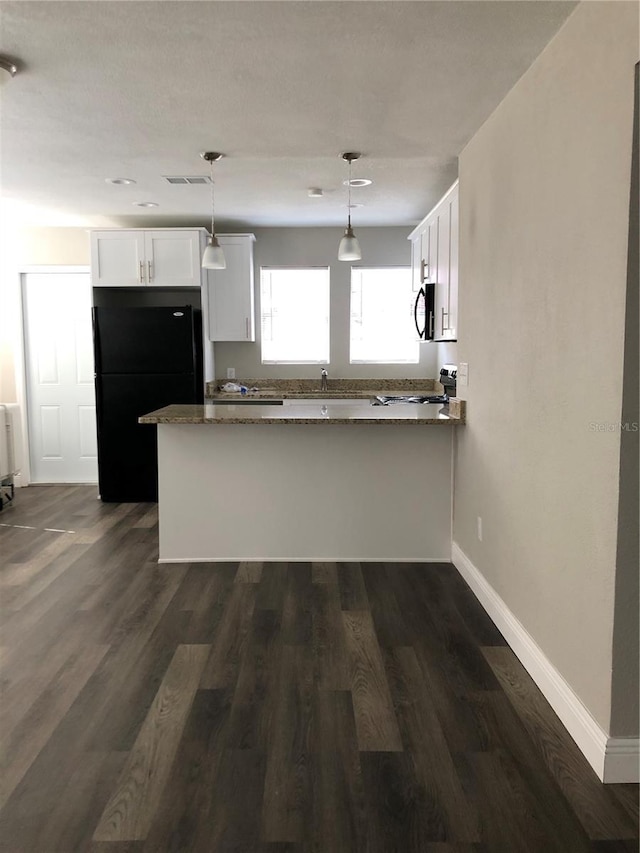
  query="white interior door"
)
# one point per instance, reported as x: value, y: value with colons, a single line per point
x: 61, y: 405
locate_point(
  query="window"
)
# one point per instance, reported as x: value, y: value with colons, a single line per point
x: 382, y: 316
x: 294, y: 305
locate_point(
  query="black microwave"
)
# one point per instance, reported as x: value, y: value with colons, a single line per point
x: 424, y: 311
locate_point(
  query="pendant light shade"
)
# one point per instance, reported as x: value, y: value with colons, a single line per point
x: 213, y: 257
x: 349, y: 248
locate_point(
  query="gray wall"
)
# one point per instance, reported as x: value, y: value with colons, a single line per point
x: 319, y: 247
x: 544, y: 209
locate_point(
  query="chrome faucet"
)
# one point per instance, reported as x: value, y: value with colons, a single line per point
x: 323, y: 379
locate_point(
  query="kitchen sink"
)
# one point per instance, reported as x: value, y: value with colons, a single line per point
x: 326, y: 400
x: 327, y: 395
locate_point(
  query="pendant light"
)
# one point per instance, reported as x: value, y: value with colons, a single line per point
x: 213, y: 257
x: 349, y: 248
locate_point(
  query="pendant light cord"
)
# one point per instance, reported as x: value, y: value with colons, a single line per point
x: 213, y: 233
x: 349, y: 196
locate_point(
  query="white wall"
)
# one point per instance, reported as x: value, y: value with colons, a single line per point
x: 319, y: 247
x: 21, y: 247
x: 544, y: 204
x: 625, y: 698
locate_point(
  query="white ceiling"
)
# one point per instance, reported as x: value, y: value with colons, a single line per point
x: 137, y: 89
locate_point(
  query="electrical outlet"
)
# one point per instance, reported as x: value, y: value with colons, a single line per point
x: 479, y: 528
x: 463, y: 373
x: 231, y: 373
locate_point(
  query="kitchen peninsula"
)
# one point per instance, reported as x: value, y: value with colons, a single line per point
x: 305, y: 482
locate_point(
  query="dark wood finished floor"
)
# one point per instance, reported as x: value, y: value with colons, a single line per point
x: 306, y: 708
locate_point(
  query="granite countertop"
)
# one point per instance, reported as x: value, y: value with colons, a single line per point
x: 308, y: 413
x: 285, y: 389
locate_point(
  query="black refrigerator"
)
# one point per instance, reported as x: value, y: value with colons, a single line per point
x: 145, y: 358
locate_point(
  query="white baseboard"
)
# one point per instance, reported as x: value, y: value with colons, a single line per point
x: 302, y: 560
x: 613, y: 759
x: 622, y: 760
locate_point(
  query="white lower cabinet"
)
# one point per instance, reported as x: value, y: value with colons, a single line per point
x: 231, y: 311
x: 157, y: 257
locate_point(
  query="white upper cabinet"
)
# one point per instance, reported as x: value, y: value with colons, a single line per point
x: 434, y: 258
x: 117, y: 258
x: 430, y: 250
x: 416, y: 263
x: 453, y: 269
x: 423, y: 254
x: 173, y: 258
x: 231, y: 292
x: 160, y: 257
x: 442, y: 272
x: 446, y: 292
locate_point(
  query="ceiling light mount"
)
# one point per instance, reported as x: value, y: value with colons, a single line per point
x: 8, y: 65
x: 213, y: 257
x: 211, y: 156
x: 358, y: 182
x: 349, y: 248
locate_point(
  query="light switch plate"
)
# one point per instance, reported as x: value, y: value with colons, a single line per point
x: 463, y: 373
x: 231, y: 373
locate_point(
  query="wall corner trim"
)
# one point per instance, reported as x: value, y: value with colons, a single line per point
x: 613, y: 759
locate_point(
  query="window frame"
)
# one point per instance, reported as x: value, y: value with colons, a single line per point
x: 294, y: 267
x: 361, y: 267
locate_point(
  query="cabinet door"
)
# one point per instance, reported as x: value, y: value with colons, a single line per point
x: 453, y: 270
x: 430, y: 250
x: 442, y: 273
x: 117, y: 258
x: 231, y: 300
x: 447, y: 269
x: 416, y: 263
x: 172, y: 258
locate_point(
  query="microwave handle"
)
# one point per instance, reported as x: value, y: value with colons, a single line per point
x: 428, y: 331
x: 430, y: 313
x: 421, y: 332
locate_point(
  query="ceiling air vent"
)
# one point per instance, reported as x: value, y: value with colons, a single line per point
x: 187, y: 179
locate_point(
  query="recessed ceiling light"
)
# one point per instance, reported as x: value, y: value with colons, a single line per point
x: 119, y: 181
x: 315, y: 192
x: 358, y: 182
x: 144, y: 204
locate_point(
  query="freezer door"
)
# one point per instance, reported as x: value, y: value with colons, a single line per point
x: 127, y: 450
x: 144, y: 340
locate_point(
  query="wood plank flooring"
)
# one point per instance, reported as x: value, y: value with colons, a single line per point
x: 267, y: 708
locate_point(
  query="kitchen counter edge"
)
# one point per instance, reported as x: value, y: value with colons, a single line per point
x: 415, y: 414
